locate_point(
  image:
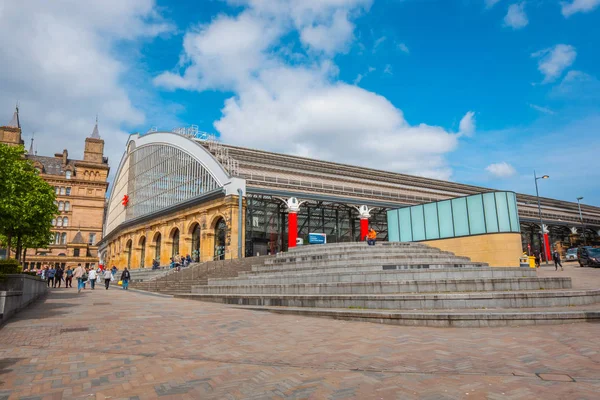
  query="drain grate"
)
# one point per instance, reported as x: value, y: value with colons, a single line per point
x: 69, y: 330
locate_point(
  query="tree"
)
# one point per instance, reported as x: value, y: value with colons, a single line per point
x: 27, y: 204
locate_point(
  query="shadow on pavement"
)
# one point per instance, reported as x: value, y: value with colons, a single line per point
x: 5, y: 364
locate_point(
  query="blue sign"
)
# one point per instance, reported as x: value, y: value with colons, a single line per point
x: 317, y: 238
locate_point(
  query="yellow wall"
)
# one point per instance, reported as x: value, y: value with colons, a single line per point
x: 498, y: 249
x: 206, y: 215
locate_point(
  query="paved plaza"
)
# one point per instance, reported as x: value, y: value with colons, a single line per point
x: 115, y: 344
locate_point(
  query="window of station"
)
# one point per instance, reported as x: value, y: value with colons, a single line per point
x: 67, y: 206
x: 68, y: 174
x: 68, y: 192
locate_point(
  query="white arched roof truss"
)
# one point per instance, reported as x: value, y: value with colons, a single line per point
x: 160, y: 170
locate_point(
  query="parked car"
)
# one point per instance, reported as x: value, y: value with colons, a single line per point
x: 571, y: 254
x: 588, y: 256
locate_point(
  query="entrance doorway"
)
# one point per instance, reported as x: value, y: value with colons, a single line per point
x: 196, y: 243
x: 220, y: 235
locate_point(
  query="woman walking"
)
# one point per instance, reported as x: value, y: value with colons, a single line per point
x: 125, y: 277
x: 107, y: 278
x: 79, y: 274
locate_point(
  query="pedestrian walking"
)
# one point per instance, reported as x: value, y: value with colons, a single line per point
x: 114, y: 270
x: 44, y: 274
x: 69, y: 278
x: 557, y: 263
x: 537, y: 259
x: 108, y: 276
x: 125, y: 277
x: 92, y: 276
x: 79, y: 274
x: 58, y: 277
x: 51, y: 274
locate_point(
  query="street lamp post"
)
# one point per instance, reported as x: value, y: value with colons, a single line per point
x: 537, y: 193
x: 581, y: 218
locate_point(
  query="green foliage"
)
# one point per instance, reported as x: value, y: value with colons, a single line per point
x: 27, y: 204
x: 9, y: 266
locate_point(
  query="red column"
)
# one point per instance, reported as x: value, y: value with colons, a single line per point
x: 548, y: 249
x: 364, y: 228
x: 292, y: 229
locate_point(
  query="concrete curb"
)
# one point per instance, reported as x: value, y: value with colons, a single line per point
x: 147, y: 293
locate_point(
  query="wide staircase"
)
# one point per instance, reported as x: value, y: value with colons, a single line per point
x: 173, y: 282
x: 395, y: 283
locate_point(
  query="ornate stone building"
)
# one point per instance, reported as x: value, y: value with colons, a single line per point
x: 80, y: 187
x: 185, y: 193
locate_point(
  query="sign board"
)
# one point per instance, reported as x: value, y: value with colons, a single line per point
x: 317, y: 238
x: 299, y: 241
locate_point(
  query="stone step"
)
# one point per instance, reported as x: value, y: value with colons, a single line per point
x: 374, y: 266
x: 362, y: 260
x: 287, y: 258
x: 378, y: 276
x: 422, y: 286
x: 466, y: 318
x: 517, y: 299
x: 351, y: 245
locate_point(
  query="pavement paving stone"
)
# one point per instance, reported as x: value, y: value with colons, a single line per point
x: 146, y: 347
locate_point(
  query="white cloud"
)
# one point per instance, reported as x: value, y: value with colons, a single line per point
x: 378, y: 43
x: 388, y: 69
x: 302, y: 107
x: 578, y: 86
x: 541, y: 109
x: 358, y: 78
x: 57, y: 59
x: 501, y: 170
x: 553, y: 61
x: 467, y: 124
x: 490, y: 3
x: 404, y: 48
x: 576, y: 6
x: 516, y: 17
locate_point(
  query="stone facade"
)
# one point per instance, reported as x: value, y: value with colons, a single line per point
x: 496, y: 249
x: 80, y: 187
x: 138, y: 245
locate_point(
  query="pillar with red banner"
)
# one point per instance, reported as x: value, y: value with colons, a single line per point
x: 365, y: 214
x: 547, y: 245
x: 293, y: 206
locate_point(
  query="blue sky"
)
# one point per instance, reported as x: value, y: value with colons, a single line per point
x: 475, y: 91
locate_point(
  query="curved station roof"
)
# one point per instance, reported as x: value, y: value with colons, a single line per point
x: 164, y: 169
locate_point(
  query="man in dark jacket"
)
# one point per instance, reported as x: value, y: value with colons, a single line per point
x: 125, y: 277
x: 58, y: 277
x: 556, y: 258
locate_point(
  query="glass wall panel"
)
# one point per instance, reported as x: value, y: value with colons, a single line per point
x: 460, y: 217
x: 502, y: 208
x: 432, y: 230
x: 418, y: 222
x: 394, y: 231
x: 405, y: 225
x: 476, y: 216
x: 513, y: 212
x: 491, y: 218
x: 445, y: 219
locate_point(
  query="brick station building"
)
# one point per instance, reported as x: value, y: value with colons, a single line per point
x: 80, y: 187
x: 186, y: 193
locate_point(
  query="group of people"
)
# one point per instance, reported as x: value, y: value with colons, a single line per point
x: 555, y: 258
x: 178, y: 261
x: 56, y: 275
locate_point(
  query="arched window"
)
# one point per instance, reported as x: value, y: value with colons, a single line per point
x: 128, y: 250
x: 59, y: 221
x: 67, y: 206
x: 157, y: 240
x: 57, y: 190
x: 68, y: 174
x: 61, y: 206
x: 220, y: 235
x: 68, y: 191
x: 62, y: 191
x: 142, y: 251
x: 65, y: 221
x: 86, y: 175
x: 97, y: 176
x: 196, y: 243
x: 53, y: 221
x: 56, y: 238
x: 175, y: 239
x: 63, y: 238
